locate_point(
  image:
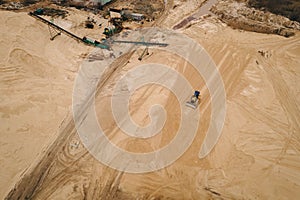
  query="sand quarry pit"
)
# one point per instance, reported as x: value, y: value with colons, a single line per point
x: 42, y: 156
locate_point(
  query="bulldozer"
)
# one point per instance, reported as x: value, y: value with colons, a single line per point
x: 194, y: 101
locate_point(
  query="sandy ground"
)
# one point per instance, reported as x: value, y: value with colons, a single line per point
x: 257, y: 156
x: 36, y: 85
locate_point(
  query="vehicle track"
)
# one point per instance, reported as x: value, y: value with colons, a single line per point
x: 57, y: 165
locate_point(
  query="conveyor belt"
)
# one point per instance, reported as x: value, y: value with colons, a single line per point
x: 103, y: 46
x: 141, y: 43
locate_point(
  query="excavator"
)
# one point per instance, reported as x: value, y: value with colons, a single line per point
x: 194, y: 101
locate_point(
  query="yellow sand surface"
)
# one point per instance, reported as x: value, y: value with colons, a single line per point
x: 256, y: 157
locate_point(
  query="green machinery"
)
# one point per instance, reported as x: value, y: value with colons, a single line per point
x: 116, y: 28
x: 94, y: 43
